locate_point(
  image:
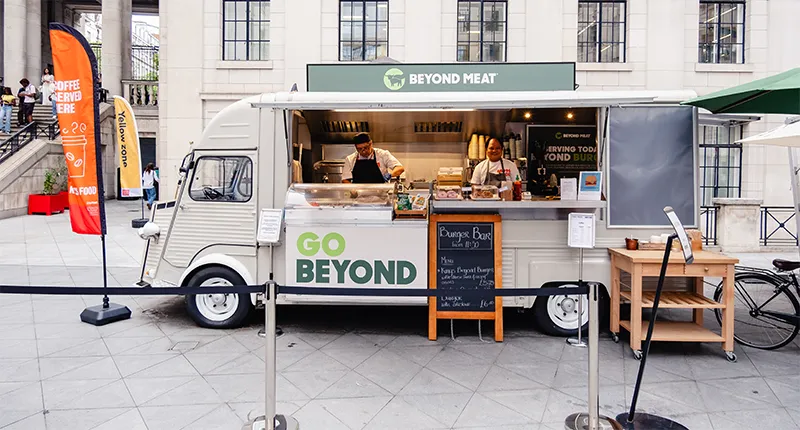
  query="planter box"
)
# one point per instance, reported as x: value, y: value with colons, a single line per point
x: 44, y: 204
x: 63, y: 198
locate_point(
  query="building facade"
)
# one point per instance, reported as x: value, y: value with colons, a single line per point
x: 214, y: 52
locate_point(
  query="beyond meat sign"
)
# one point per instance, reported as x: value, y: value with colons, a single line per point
x: 564, y: 150
x: 356, y: 256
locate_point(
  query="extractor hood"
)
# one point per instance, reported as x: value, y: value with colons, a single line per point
x: 404, y: 127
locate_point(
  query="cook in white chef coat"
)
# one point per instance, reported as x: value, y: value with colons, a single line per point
x: 369, y: 165
x: 494, y: 169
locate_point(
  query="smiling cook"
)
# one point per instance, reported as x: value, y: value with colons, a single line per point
x: 369, y: 165
x: 494, y: 169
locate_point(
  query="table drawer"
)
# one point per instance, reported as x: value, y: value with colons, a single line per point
x: 713, y: 270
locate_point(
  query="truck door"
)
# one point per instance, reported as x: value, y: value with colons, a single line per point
x: 217, y: 208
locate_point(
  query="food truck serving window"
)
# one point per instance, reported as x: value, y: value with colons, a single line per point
x: 227, y: 179
x: 652, y: 163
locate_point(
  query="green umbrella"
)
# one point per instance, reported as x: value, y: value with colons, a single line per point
x: 779, y: 94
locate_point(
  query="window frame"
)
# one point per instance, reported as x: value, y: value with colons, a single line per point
x: 600, y: 22
x: 734, y: 167
x: 717, y: 25
x: 363, y: 39
x: 248, y: 21
x: 196, y: 163
x: 481, y: 40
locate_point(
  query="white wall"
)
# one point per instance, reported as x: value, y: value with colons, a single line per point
x: 661, y: 54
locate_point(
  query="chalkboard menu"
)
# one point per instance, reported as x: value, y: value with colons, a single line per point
x: 465, y: 254
x: 465, y: 261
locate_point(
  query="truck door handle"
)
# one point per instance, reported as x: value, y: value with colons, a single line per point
x: 183, y: 207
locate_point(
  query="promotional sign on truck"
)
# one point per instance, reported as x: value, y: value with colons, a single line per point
x: 355, y: 257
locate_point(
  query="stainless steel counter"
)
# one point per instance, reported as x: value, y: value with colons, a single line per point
x: 519, y: 210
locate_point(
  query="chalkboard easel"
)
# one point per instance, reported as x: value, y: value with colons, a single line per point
x: 465, y: 254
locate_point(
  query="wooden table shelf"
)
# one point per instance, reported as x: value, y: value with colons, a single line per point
x: 671, y: 331
x: 642, y: 263
x: 675, y: 300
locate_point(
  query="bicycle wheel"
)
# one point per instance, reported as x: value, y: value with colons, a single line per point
x: 754, y: 293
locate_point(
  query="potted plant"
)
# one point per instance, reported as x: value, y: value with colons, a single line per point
x: 63, y: 186
x: 48, y: 201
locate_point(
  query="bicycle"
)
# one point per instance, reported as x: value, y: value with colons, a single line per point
x: 770, y: 323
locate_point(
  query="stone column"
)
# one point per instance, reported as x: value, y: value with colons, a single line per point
x: 112, y: 46
x: 14, y: 16
x: 33, y: 42
x: 738, y: 222
x: 127, y: 17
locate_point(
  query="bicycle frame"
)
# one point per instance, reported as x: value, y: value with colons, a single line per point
x: 783, y: 285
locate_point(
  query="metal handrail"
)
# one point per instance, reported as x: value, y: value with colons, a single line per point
x: 708, y: 219
x: 26, y: 135
x: 772, y: 224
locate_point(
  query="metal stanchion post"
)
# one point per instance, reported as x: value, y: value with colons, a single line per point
x: 270, y: 420
x: 579, y: 342
x: 593, y: 420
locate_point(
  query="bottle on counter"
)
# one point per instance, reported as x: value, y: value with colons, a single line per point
x: 517, y: 189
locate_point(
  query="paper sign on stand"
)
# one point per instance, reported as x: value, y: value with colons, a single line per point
x: 581, y: 230
x: 269, y: 226
x: 590, y: 186
x: 569, y: 189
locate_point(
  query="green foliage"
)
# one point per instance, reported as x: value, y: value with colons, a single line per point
x: 50, y: 178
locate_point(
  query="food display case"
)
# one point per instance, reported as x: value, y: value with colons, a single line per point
x: 340, y: 203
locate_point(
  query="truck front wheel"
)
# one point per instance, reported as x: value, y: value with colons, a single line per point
x: 217, y: 310
x: 558, y: 315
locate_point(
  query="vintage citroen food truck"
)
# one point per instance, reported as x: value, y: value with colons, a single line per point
x: 354, y: 235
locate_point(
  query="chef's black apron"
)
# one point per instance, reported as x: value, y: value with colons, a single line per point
x: 367, y: 171
x: 495, y: 178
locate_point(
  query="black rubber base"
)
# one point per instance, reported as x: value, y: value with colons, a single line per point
x: 643, y: 421
x: 139, y: 222
x: 98, y: 315
x: 281, y: 423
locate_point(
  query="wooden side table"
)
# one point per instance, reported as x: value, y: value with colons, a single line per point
x: 648, y: 263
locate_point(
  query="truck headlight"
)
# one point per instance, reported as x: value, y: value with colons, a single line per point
x: 150, y: 230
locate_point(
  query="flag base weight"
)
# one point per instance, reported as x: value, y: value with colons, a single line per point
x: 581, y: 422
x: 139, y: 222
x: 99, y: 315
x: 281, y: 423
x: 647, y: 421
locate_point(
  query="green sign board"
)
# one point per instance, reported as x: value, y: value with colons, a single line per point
x: 441, y: 77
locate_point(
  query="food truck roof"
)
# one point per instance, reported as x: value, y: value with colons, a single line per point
x: 464, y: 100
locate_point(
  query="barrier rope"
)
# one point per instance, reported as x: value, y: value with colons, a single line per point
x: 309, y: 291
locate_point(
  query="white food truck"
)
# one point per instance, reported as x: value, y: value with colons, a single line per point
x: 348, y: 235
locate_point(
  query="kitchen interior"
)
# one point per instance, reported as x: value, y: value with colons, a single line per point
x: 429, y: 142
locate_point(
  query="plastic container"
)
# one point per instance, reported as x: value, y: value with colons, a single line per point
x: 448, y: 192
x: 485, y: 192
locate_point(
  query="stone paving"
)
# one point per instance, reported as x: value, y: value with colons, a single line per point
x: 339, y: 367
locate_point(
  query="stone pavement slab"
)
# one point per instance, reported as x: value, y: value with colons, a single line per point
x: 339, y: 367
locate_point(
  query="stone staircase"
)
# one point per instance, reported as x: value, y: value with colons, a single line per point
x: 41, y: 113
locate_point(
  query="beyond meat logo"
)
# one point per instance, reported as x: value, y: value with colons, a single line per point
x: 331, y: 270
x: 394, y: 79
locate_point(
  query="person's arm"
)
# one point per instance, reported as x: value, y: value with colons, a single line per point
x: 347, y: 171
x: 393, y: 167
x: 477, y: 176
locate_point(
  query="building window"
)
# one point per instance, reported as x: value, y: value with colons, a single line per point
x: 363, y: 30
x: 601, y: 31
x: 721, y: 38
x: 482, y: 30
x: 721, y: 162
x: 245, y: 30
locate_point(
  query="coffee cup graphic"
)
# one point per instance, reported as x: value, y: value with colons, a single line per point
x: 75, y: 153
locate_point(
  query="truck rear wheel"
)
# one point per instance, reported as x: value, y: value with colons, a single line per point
x: 217, y: 310
x: 558, y: 315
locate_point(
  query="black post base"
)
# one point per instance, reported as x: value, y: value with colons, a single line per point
x: 139, y: 222
x: 98, y: 315
x: 642, y: 421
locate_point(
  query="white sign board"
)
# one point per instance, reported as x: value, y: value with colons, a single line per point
x: 581, y: 230
x: 569, y: 189
x: 269, y: 226
x: 357, y: 256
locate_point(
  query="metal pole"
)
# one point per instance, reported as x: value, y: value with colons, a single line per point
x: 594, y: 359
x: 579, y: 342
x: 795, y: 190
x: 271, y: 391
x: 650, y: 326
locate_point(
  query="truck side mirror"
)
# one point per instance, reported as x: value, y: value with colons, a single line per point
x: 187, y: 168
